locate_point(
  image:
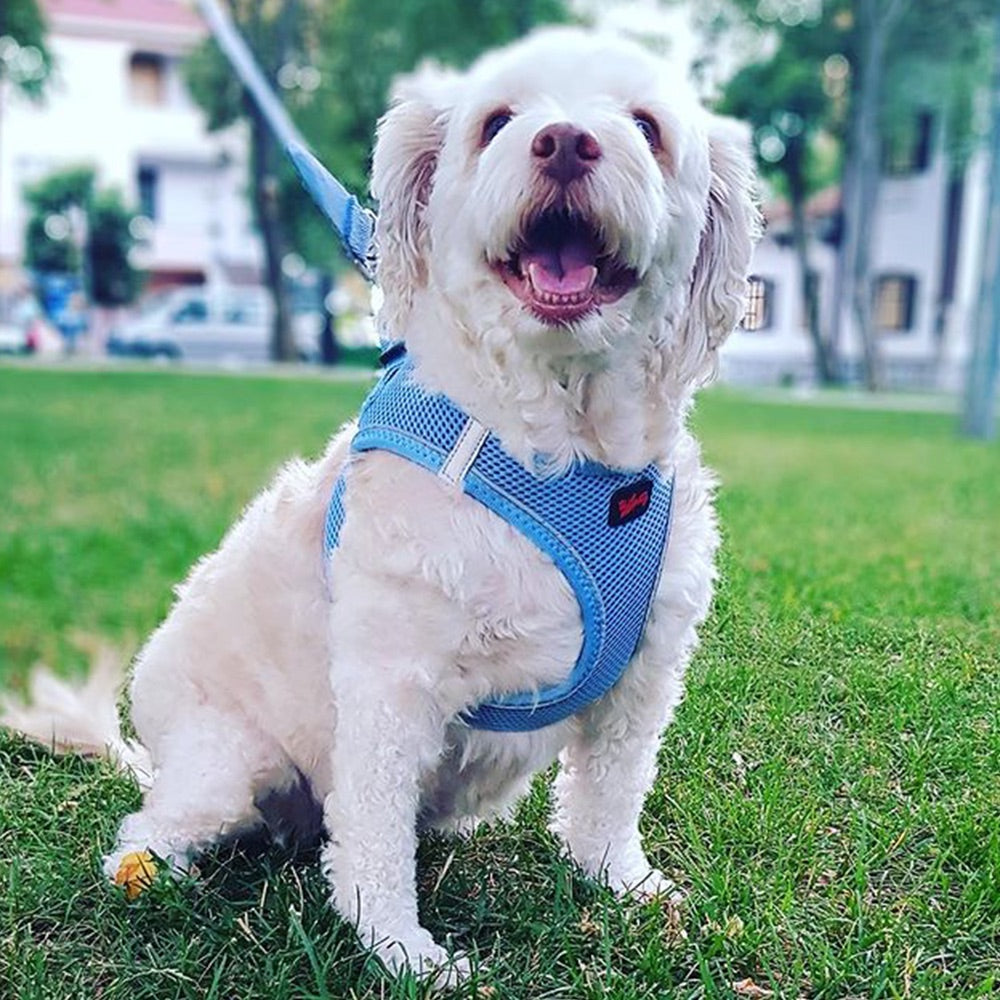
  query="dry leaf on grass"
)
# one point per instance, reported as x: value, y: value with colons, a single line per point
x: 748, y: 988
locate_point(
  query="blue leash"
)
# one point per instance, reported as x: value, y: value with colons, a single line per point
x: 354, y: 223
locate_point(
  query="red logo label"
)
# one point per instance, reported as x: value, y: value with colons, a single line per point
x: 629, y: 502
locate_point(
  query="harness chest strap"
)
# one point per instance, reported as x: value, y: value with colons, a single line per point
x: 606, y: 529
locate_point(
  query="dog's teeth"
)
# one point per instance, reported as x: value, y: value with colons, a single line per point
x: 554, y: 299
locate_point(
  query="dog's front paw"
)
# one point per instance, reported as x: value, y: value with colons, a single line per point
x: 651, y: 884
x: 425, y: 959
x: 135, y: 873
x: 135, y: 868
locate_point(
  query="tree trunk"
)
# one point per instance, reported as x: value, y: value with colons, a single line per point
x: 841, y: 285
x: 265, y: 199
x: 329, y: 346
x: 877, y: 19
x: 264, y: 183
x: 825, y: 370
x: 984, y: 360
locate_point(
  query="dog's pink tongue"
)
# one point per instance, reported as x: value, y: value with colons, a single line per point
x: 566, y: 269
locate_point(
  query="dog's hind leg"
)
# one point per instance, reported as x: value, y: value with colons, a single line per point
x: 207, y: 772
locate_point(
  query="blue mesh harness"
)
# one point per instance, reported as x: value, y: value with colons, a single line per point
x: 605, y: 528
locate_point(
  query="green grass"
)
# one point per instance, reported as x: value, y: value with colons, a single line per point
x: 829, y: 792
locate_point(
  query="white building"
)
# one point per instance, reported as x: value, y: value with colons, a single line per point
x: 117, y: 101
x: 926, y: 262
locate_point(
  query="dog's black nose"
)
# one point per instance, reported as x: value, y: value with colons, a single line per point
x: 565, y: 152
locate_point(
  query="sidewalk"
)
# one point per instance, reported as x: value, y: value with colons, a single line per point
x: 265, y: 369
x: 853, y: 399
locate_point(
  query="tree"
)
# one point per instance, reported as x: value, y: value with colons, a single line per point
x: 25, y: 59
x: 876, y: 21
x: 275, y: 33
x: 332, y: 63
x: 784, y: 100
x: 113, y: 279
x: 984, y: 363
x: 74, y: 228
x: 905, y: 55
x: 58, y: 203
x: 896, y: 53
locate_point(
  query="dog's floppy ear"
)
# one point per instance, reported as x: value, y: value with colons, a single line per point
x: 407, y: 145
x: 732, y: 225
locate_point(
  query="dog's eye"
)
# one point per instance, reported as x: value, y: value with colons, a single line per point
x: 493, y: 125
x: 649, y: 129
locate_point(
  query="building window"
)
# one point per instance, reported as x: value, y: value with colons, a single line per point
x: 907, y: 148
x: 148, y: 182
x: 895, y: 299
x: 147, y: 78
x: 760, y: 297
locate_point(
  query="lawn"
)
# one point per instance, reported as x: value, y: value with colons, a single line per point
x: 829, y: 793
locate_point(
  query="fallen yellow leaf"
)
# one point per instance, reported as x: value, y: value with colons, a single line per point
x: 135, y: 873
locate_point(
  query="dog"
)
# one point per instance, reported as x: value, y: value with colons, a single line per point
x: 564, y: 237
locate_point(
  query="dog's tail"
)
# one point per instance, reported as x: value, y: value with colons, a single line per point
x: 79, y: 718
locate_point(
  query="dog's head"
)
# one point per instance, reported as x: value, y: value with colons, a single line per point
x: 570, y: 191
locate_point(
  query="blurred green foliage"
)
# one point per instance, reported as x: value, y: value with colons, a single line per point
x: 332, y: 62
x: 937, y: 61
x: 25, y: 58
x: 70, y: 197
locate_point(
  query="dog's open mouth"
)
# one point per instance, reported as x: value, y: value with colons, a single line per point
x: 561, y: 269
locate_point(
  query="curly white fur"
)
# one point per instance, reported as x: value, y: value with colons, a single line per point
x: 258, y: 679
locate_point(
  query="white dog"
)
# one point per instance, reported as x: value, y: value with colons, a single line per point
x: 564, y: 238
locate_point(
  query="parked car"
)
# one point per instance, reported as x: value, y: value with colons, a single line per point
x: 13, y: 338
x: 231, y: 324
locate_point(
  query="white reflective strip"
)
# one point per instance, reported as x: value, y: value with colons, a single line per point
x: 464, y: 453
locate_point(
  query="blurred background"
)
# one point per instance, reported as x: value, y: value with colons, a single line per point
x: 146, y: 211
